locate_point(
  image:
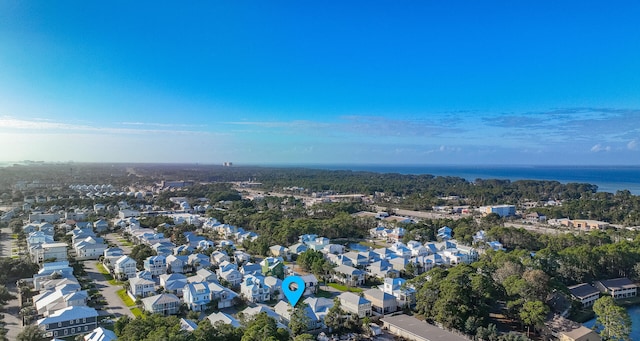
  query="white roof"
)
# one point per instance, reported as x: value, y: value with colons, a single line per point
x: 69, y: 313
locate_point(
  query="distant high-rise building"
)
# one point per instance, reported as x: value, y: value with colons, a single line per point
x: 227, y: 164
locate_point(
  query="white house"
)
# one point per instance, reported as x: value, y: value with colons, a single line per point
x: 164, y: 304
x: 355, y: 304
x: 254, y: 289
x: 125, y: 268
x: 157, y: 265
x: 197, y: 296
x: 140, y: 287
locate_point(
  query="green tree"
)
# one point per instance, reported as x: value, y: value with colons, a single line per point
x: 612, y: 320
x: 304, y: 337
x: 333, y: 319
x: 533, y: 314
x: 5, y: 295
x: 263, y: 327
x: 31, y: 333
x: 299, y: 321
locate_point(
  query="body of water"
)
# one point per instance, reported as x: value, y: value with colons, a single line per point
x: 607, y: 178
x: 634, y: 313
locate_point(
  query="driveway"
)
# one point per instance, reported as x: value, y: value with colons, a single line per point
x: 115, y: 305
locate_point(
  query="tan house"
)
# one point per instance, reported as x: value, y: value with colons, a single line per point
x: 381, y: 302
x: 581, y: 333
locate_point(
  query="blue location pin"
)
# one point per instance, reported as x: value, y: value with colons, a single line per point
x: 293, y: 294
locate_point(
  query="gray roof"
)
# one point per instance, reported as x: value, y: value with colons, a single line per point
x: 421, y: 330
x: 618, y: 283
x: 583, y: 290
x: 353, y: 298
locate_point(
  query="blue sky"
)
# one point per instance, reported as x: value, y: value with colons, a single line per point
x: 301, y: 82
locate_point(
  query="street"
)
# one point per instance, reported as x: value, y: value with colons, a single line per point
x: 114, y: 306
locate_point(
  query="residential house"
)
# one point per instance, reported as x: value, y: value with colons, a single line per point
x: 197, y: 296
x: 164, y: 248
x: 232, y: 276
x: 100, y: 334
x: 100, y: 225
x: 251, y: 269
x: 445, y: 233
x: 585, y: 294
x: 382, y: 269
x: 405, y: 296
x: 381, y: 302
x: 396, y: 234
x: 535, y: 217
x: 320, y: 307
x: 176, y: 264
x: 174, y: 283
x: 164, y: 304
x: 297, y: 248
x: 357, y: 260
x: 310, y: 284
x: 204, y: 275
x: 218, y: 257
x: 241, y: 257
x: 618, y: 287
x: 224, y: 296
x: 254, y: 289
x: 335, y: 249
x: 60, y: 297
x: 140, y: 287
x: 47, y: 251
x: 272, y: 266
x: 283, y: 309
x: 156, y: 265
x: 223, y: 318
x: 188, y: 325
x: 197, y: 261
x: 251, y: 312
x: 400, y: 250
x: 348, y: 275
x: 279, y: 251
x: 580, y: 333
x: 69, y: 321
x: 124, y: 268
x: 89, y: 248
x: 275, y: 287
x: 355, y: 304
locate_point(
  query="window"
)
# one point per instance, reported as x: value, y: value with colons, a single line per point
x: 73, y: 330
x: 66, y: 331
x: 55, y: 333
x: 86, y: 328
x: 84, y: 320
x: 59, y: 324
x: 77, y: 321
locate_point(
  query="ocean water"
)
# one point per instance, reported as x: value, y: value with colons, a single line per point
x: 607, y: 178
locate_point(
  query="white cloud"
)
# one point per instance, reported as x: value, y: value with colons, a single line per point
x: 48, y: 126
x: 600, y: 148
x: 632, y: 145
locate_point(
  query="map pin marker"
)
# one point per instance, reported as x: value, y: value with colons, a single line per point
x: 293, y: 288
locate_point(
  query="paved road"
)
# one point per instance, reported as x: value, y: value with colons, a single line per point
x: 13, y: 322
x: 114, y: 238
x: 115, y: 305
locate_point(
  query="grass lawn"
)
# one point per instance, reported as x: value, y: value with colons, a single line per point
x: 107, y: 275
x: 136, y: 312
x: 325, y: 294
x: 124, y: 242
x: 344, y: 287
x: 372, y: 245
x: 14, y: 236
x: 122, y: 293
